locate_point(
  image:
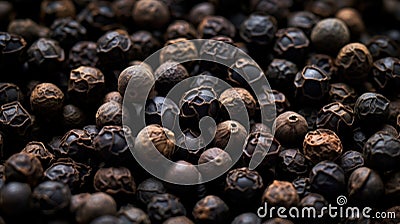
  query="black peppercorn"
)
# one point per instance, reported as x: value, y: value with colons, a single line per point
x: 250, y: 72
x: 106, y: 219
x: 178, y: 220
x: 162, y: 111
x: 76, y: 144
x: 109, y: 114
x: 304, y: 20
x: 67, y: 32
x: 350, y: 161
x: 292, y: 164
x: 247, y: 218
x: 130, y: 214
x: 117, y: 182
x: 45, y: 55
x: 15, y: 199
x: 324, y: 62
x: 180, y: 29
x: 365, y: 187
x: 123, y: 10
x: 111, y: 144
x: 12, y: 50
x: 180, y: 49
x: 51, y: 10
x: 336, y: 117
x: 98, y: 204
x: 381, y: 151
x: 164, y: 206
x: 353, y: 62
x: 281, y: 193
x: 322, y: 8
x: 290, y: 129
x: 144, y: 44
x: 322, y: 144
x: 191, y: 146
x: 330, y: 35
x: 392, y: 189
x: 259, y: 29
x: 312, y: 84
x: 148, y: 188
x: 24, y: 168
x: 77, y: 201
x: 371, y: 109
x: 98, y: 17
x: 151, y: 14
x: 317, y: 202
x: 41, y: 152
x: 168, y: 75
x: 114, y: 49
x: 73, y: 116
x: 46, y: 99
x: 83, y: 53
x: 291, y: 44
x: 70, y: 173
x: 382, y: 46
x: 28, y: 29
x: 280, y: 74
x: 243, y: 187
x: 302, y: 186
x: 10, y: 92
x: 200, y: 11
x: 210, y: 209
x: 52, y: 198
x: 385, y: 75
x: 282, y: 104
x: 342, y: 93
x: 327, y: 179
x: 212, y: 26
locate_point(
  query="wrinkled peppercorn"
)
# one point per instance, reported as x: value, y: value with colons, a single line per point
x: 231, y: 132
x: 14, y: 119
x: 353, y: 62
x: 312, y: 84
x: 168, y: 75
x: 318, y: 202
x: 109, y: 114
x: 212, y: 26
x: 382, y: 46
x: 143, y: 44
x: 151, y: 14
x: 113, y: 96
x: 327, y: 179
x: 129, y: 214
x: 210, y: 209
x: 180, y: 49
x: 214, y: 160
x: 247, y: 218
x: 259, y: 29
x: 290, y: 129
x: 178, y: 220
x: 381, y: 151
x: 180, y: 29
x: 336, y: 117
x: 76, y: 144
x: 385, y: 75
x: 73, y: 116
x: 350, y: 161
x: 342, y: 93
x: 67, y: 32
x: 46, y: 99
x: 12, y: 49
x: 371, y: 109
x: 28, y: 29
x: 330, y: 35
x: 281, y: 193
x: 280, y: 74
x: 304, y: 20
x: 135, y: 74
x: 244, y: 71
x: 41, y: 152
x: 24, y: 168
x: 45, y: 56
x: 200, y: 11
x: 10, y: 92
x: 191, y: 146
x: 51, y: 10
x: 161, y: 111
x: 51, y: 197
x: 324, y: 62
x: 233, y: 100
x: 292, y: 164
x: 291, y: 44
x: 83, y: 53
x: 302, y: 186
x: 278, y: 221
x: 148, y: 188
x: 164, y: 206
x: 322, y: 144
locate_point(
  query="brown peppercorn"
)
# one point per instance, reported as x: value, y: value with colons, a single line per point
x: 290, y: 129
x: 123, y: 10
x: 28, y: 29
x: 182, y: 172
x: 24, y: 168
x: 180, y: 49
x: 136, y: 74
x: 354, y: 62
x: 278, y: 221
x: 117, y: 182
x: 151, y: 14
x: 39, y: 150
x: 212, y: 26
x: 86, y: 85
x: 322, y: 144
x: 113, y: 96
x: 178, y: 220
x: 233, y: 100
x: 392, y: 187
x: 330, y: 35
x: 180, y: 29
x: 46, y: 99
x: 365, y: 187
x: 229, y: 131
x: 200, y: 11
x: 73, y: 116
x: 214, y: 160
x: 144, y: 44
x: 109, y: 114
x: 114, y: 49
x: 342, y: 93
x: 281, y: 193
x: 167, y: 75
x: 51, y: 10
x: 352, y: 18
x: 83, y: 53
x: 98, y: 204
x: 15, y: 119
x: 210, y: 209
x: 130, y: 214
x: 322, y: 8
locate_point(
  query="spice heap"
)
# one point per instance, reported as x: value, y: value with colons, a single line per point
x: 66, y: 67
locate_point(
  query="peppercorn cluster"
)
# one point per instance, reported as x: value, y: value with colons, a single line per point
x: 66, y: 67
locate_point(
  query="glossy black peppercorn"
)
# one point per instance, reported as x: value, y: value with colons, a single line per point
x: 385, y: 75
x: 292, y: 163
x: 24, y: 168
x: 291, y: 44
x: 327, y: 179
x: 76, y: 144
x: 312, y: 84
x: 336, y: 117
x: 324, y: 62
x: 322, y: 144
x: 164, y: 206
x: 15, y: 199
x: 280, y: 74
x: 162, y: 111
x: 342, y: 93
x: 317, y: 202
x: 13, y: 49
x: 304, y: 20
x: 45, y: 55
x: 302, y: 186
x: 51, y: 197
x: 83, y: 53
x: 365, y: 186
x: 381, y: 151
x: 259, y: 29
x: 210, y: 209
x: 290, y: 129
x: 330, y: 35
x: 353, y: 62
x: 382, y: 46
x: 371, y: 109
x: 67, y: 32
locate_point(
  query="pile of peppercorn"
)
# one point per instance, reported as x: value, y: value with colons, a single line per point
x: 334, y: 70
